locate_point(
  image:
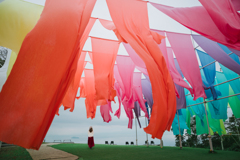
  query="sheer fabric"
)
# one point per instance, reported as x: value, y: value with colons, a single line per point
x: 135, y: 30
x: 89, y: 87
x: 215, y: 51
x: 104, y: 54
x: 18, y: 18
x: 185, y: 54
x: 105, y: 112
x: 176, y: 76
x: 52, y: 61
x: 218, y: 22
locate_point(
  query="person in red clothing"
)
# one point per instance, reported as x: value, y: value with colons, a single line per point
x: 90, y: 138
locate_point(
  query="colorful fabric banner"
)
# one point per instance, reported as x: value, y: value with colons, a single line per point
x: 181, y: 101
x: 175, y: 125
x: 215, y: 51
x: 222, y: 103
x: 230, y: 51
x: 137, y: 112
x: 69, y: 98
x: 135, y: 30
x: 118, y: 92
x: 209, y: 71
x: 210, y: 21
x: 235, y: 51
x: 126, y: 67
x: 185, y: 54
x: 137, y: 92
x: 90, y: 92
x: 187, y: 117
x: 234, y: 103
x: 40, y: 83
x: 225, y: 17
x: 104, y: 53
x: 163, y: 45
x: 147, y: 92
x: 105, y: 112
x: 235, y: 84
x: 119, y: 87
x: 17, y: 18
x: 11, y: 62
x: 214, y: 124
x: 176, y: 76
x: 135, y: 58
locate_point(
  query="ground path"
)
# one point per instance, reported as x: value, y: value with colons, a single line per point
x: 47, y: 153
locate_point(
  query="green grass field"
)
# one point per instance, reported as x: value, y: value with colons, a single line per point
x: 14, y: 152
x: 118, y: 152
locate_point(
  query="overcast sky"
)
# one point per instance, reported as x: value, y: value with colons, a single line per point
x: 74, y: 125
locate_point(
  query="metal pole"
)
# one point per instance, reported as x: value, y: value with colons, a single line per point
x: 146, y: 133
x: 136, y: 129
x: 179, y: 135
x: 222, y: 142
x: 213, y: 62
x: 220, y: 83
x: 161, y: 143
x: 209, y: 134
x: 214, y: 100
x: 226, y: 81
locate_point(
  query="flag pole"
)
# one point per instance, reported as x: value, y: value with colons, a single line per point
x: 146, y: 133
x: 179, y: 135
x: 209, y: 133
x: 222, y: 142
x: 136, y: 129
x: 161, y: 143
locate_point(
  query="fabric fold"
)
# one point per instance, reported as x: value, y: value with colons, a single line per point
x: 18, y: 18
x: 215, y: 51
x: 90, y: 92
x: 51, y: 60
x: 135, y: 30
x: 104, y: 54
x: 222, y: 20
x: 177, y: 78
x: 186, y: 56
x: 105, y: 112
x: 209, y: 71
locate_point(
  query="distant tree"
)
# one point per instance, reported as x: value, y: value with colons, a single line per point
x: 177, y: 142
x: 216, y: 141
x: 193, y: 139
x: 232, y: 142
x: 3, y: 55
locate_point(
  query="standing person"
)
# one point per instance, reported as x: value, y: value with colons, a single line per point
x: 90, y: 138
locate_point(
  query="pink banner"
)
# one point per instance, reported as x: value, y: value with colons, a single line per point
x: 217, y: 21
x: 177, y: 78
x: 105, y: 112
x: 186, y: 56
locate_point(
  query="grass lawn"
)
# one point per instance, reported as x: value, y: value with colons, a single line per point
x: 118, y: 152
x: 14, y: 152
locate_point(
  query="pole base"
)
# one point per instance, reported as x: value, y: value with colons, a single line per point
x: 212, y: 151
x: 180, y: 147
